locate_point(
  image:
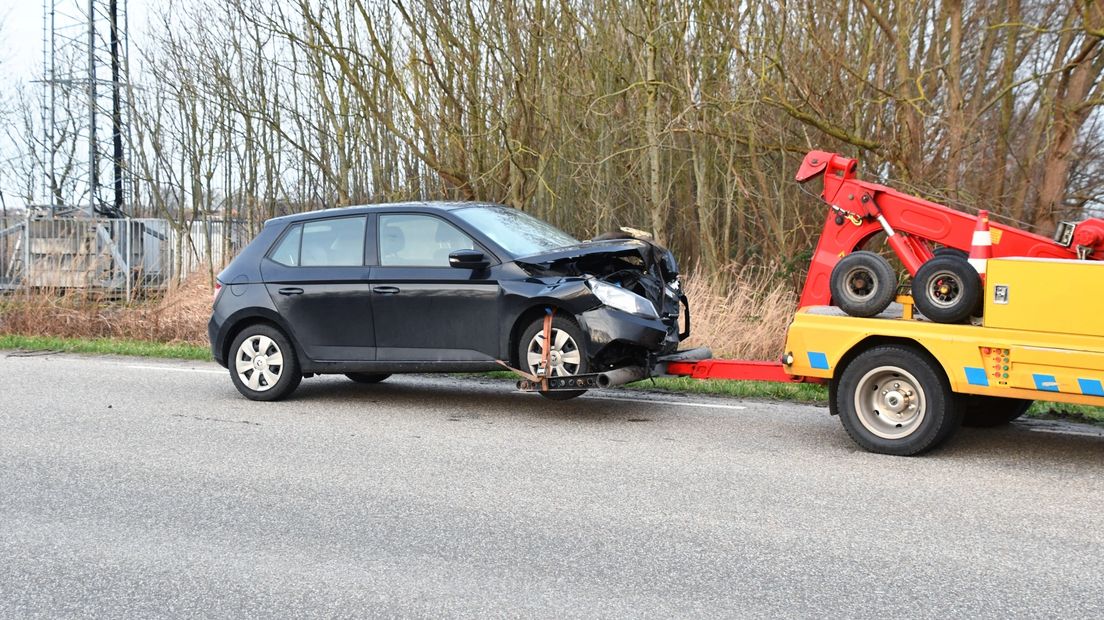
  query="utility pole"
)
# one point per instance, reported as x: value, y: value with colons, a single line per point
x: 83, y: 105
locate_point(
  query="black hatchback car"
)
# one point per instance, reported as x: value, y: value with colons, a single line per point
x: 437, y: 287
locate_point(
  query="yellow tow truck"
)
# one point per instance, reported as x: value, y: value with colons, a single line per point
x: 978, y: 339
x: 902, y: 384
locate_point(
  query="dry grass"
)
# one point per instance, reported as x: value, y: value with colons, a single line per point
x: 740, y: 313
x: 178, y: 316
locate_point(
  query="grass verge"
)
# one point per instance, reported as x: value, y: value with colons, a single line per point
x: 105, y: 346
x: 794, y: 392
x: 1066, y: 411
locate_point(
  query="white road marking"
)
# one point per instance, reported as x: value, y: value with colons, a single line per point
x: 174, y: 369
x: 1058, y: 431
x: 645, y: 401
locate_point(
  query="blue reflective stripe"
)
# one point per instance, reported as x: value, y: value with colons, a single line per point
x: 1045, y: 383
x: 977, y: 376
x: 818, y: 360
x: 1091, y: 387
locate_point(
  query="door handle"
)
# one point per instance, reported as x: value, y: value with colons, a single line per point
x: 291, y: 290
x: 386, y: 290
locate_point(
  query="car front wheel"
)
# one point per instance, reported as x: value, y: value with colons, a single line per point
x: 264, y: 366
x: 565, y: 359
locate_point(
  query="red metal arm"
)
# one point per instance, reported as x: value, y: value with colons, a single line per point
x: 858, y: 210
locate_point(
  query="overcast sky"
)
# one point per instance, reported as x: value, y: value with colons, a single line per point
x: 22, y: 39
x: 21, y: 34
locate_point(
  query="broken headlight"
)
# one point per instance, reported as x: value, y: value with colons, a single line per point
x: 620, y: 299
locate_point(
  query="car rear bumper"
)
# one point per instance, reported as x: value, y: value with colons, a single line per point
x: 216, y: 343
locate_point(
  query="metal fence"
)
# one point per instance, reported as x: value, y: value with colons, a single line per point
x: 119, y: 255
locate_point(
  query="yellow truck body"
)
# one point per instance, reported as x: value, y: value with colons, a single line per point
x: 1041, y: 338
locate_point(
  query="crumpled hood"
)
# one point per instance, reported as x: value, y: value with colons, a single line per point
x: 598, y: 258
x: 633, y: 264
x: 586, y: 248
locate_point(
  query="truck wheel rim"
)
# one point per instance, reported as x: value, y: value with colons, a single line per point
x: 860, y: 283
x: 564, y: 358
x: 890, y: 402
x: 943, y: 289
x: 259, y: 363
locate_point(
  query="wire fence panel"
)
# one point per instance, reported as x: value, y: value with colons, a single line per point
x: 121, y: 255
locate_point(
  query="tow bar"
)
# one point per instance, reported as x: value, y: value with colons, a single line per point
x: 609, y: 378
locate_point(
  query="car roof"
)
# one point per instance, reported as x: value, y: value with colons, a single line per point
x: 433, y: 205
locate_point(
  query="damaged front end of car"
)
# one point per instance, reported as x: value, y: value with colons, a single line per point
x: 635, y: 305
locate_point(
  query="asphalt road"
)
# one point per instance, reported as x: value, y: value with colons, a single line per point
x: 138, y: 488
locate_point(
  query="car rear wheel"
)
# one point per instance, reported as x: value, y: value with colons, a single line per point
x: 564, y: 360
x: 367, y: 377
x: 264, y: 366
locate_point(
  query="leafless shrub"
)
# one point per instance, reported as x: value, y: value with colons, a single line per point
x: 178, y: 316
x: 740, y: 312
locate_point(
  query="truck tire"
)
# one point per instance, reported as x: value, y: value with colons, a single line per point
x: 989, y: 411
x: 895, y: 399
x: 946, y: 289
x: 863, y: 284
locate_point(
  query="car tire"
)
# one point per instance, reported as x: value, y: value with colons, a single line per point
x: 571, y: 357
x: 947, y: 289
x: 895, y: 399
x: 367, y: 377
x: 263, y: 380
x: 988, y: 411
x: 863, y: 284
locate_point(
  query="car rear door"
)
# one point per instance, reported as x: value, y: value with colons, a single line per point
x: 318, y: 279
x: 425, y: 310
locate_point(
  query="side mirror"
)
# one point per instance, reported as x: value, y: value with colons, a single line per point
x: 468, y: 259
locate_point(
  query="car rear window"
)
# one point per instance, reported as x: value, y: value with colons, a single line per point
x: 287, y: 251
x: 337, y: 242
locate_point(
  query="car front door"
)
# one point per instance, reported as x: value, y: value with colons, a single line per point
x: 425, y: 310
x: 318, y: 279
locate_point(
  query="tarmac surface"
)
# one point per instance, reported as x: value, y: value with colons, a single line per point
x: 150, y: 488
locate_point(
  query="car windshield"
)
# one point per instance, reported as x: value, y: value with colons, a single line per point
x: 516, y: 232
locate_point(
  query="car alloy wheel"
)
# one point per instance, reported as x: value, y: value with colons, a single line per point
x: 263, y: 364
x: 259, y: 363
x: 564, y: 359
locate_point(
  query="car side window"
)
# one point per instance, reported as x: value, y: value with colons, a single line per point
x: 412, y: 240
x: 287, y: 251
x: 337, y: 242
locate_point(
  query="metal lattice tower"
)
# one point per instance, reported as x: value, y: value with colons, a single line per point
x: 85, y: 112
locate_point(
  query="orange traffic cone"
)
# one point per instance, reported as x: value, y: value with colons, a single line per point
x: 981, y: 247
